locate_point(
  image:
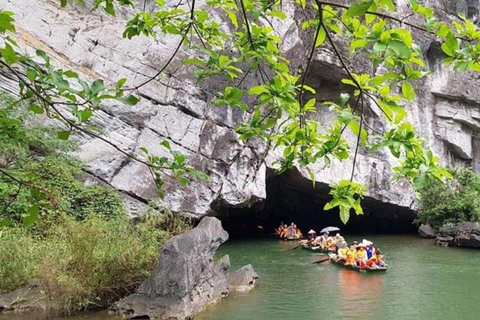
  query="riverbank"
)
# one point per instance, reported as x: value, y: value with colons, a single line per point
x: 78, y: 265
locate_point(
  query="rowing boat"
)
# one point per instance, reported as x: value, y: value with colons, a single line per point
x: 334, y: 259
x: 291, y: 238
x: 316, y: 249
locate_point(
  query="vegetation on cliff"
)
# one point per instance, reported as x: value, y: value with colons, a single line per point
x: 456, y: 201
x: 283, y: 101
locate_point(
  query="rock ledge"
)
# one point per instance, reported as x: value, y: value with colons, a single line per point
x: 186, y: 279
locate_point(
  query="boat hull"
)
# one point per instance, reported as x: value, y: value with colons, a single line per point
x: 356, y: 268
x: 316, y: 249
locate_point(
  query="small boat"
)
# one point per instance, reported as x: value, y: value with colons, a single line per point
x: 334, y: 259
x: 291, y: 238
x: 316, y: 249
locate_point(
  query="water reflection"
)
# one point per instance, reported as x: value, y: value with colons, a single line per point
x: 359, y: 294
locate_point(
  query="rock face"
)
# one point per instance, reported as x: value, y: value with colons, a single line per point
x: 178, y: 109
x: 186, y: 279
x: 426, y: 231
x: 243, y: 279
x: 26, y: 299
x: 466, y: 234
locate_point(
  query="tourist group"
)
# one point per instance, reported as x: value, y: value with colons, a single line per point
x: 361, y: 256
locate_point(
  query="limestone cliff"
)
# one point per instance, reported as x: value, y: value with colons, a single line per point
x: 178, y: 109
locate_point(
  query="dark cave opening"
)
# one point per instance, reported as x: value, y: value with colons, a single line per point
x: 292, y: 198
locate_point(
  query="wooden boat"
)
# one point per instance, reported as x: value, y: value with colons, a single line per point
x: 316, y: 249
x: 291, y: 238
x: 334, y: 260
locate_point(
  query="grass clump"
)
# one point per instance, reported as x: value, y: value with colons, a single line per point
x: 87, y: 263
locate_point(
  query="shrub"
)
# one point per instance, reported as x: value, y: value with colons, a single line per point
x: 83, y: 264
x: 456, y: 201
x: 46, y: 161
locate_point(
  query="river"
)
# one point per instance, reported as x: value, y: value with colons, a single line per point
x: 424, y: 282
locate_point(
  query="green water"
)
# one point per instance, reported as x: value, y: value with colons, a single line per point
x: 424, y: 282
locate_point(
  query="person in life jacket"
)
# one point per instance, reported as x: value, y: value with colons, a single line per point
x: 312, y: 235
x: 279, y: 230
x: 291, y: 231
x: 330, y: 243
x: 342, y: 251
x: 297, y: 231
x: 376, y: 260
x: 369, y: 248
x: 285, y: 231
x: 361, y: 255
x: 350, y: 260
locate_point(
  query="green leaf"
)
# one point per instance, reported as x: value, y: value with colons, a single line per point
x: 344, y: 97
x: 5, y: 222
x: 166, y: 144
x: 408, y: 91
x: 6, y: 21
x: 85, y: 115
x: 32, y: 217
x: 355, y: 127
x: 277, y: 14
x: 121, y: 82
x: 44, y: 56
x: 358, y: 8
x: 358, y: 43
x: 233, y: 17
x: 63, y: 135
x: 63, y: 3
x: 310, y: 105
x: 97, y: 87
x: 344, y: 214
x: 36, y: 109
x: 130, y: 100
x: 9, y: 54
x: 450, y: 46
x: 400, y: 48
x: 257, y: 90
x: 320, y: 37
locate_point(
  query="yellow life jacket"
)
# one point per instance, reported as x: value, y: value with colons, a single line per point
x: 362, y: 254
x: 350, y: 257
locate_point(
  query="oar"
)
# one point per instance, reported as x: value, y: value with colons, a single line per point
x: 297, y: 247
x: 323, y: 259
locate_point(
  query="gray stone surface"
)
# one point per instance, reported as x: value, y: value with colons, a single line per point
x: 178, y: 109
x: 243, y: 279
x: 186, y: 279
x: 426, y: 231
x: 466, y: 234
x: 26, y: 299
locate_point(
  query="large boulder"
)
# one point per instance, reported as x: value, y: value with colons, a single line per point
x: 465, y: 234
x: 186, y: 279
x: 243, y: 279
x: 426, y: 231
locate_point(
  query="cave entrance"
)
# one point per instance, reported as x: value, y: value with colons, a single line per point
x: 291, y: 198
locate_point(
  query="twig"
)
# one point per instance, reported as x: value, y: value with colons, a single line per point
x: 310, y: 58
x: 358, y: 139
x: 192, y: 11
